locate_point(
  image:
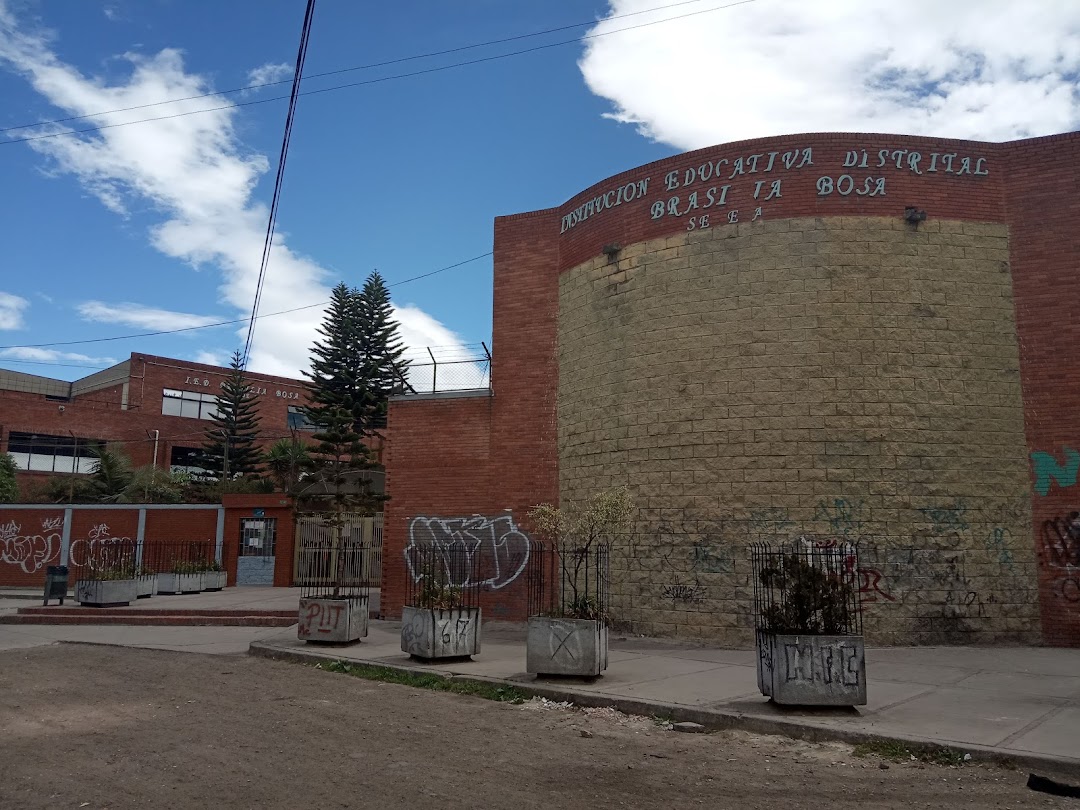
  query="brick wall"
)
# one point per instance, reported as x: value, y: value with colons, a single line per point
x: 849, y: 379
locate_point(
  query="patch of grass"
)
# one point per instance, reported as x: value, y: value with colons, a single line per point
x: 662, y: 720
x: 436, y: 683
x: 899, y: 752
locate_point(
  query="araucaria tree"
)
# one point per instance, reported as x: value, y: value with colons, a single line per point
x: 381, y: 350
x: 231, y: 448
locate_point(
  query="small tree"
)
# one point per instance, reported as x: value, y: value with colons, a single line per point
x: 9, y: 487
x: 574, y: 535
x: 111, y: 478
x: 287, y: 461
x: 231, y: 448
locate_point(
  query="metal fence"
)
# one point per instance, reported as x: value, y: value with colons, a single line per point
x: 442, y: 578
x: 803, y: 588
x: 572, y: 582
x: 340, y: 570
x: 177, y: 557
x: 317, y: 532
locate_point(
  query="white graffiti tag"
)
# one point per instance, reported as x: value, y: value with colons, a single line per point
x: 99, y: 550
x: 30, y: 552
x: 494, y: 547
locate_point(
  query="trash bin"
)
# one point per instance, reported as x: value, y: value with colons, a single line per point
x: 56, y: 583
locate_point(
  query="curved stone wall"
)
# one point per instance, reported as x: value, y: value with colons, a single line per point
x: 838, y: 378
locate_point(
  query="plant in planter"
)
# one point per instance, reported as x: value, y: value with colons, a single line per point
x: 214, y: 576
x: 568, y: 611
x: 809, y: 625
x: 184, y: 577
x: 107, y: 587
x: 441, y: 617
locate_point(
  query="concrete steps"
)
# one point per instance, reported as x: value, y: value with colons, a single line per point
x: 149, y: 617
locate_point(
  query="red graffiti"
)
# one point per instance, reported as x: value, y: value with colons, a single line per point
x: 325, y: 619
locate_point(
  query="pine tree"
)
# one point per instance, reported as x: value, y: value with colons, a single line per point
x: 335, y: 362
x: 234, y: 428
x: 9, y: 487
x: 381, y: 348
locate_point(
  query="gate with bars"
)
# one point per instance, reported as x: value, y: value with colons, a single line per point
x: 315, y: 539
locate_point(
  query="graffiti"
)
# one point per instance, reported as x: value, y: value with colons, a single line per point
x: 867, y: 580
x: 997, y: 543
x: 709, y: 559
x: 1068, y: 589
x: 1061, y: 541
x: 494, y: 548
x: 1047, y: 469
x: 947, y: 518
x: 320, y: 617
x: 844, y: 517
x: 825, y: 663
x: 770, y: 522
x: 565, y: 642
x: 99, y: 550
x: 31, y: 552
x: 689, y: 594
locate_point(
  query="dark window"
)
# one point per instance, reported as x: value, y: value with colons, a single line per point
x: 186, y: 459
x: 70, y: 454
x: 298, y: 419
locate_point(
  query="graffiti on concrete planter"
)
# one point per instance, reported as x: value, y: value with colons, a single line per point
x: 1061, y: 541
x: 1047, y: 470
x: 496, y: 550
x: 31, y: 552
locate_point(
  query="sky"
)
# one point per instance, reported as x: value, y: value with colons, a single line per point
x: 159, y: 225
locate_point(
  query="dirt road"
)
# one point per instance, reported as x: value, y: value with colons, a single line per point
x: 104, y: 727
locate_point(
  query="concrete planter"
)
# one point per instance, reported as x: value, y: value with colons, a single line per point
x: 440, y: 633
x: 804, y: 670
x: 214, y: 580
x: 146, y: 585
x: 179, y: 583
x: 333, y: 621
x: 577, y: 647
x: 105, y: 592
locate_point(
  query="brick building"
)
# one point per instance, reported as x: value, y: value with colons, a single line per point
x: 771, y: 339
x: 156, y: 407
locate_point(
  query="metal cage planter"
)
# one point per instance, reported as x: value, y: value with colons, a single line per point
x: 146, y: 585
x: 335, y: 597
x: 179, y: 583
x: 330, y: 620
x: 441, y: 618
x: 105, y: 592
x: 568, y: 611
x: 810, y: 649
x: 214, y: 580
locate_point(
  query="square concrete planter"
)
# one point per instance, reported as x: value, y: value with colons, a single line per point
x: 146, y: 585
x: 440, y: 632
x: 576, y: 647
x: 105, y: 592
x: 807, y: 670
x: 333, y: 621
x: 179, y: 583
x: 214, y: 580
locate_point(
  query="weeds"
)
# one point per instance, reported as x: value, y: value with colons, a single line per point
x: 899, y: 752
x: 436, y: 683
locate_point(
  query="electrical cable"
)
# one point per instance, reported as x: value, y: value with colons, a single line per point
x: 224, y: 323
x: 339, y: 71
x: 373, y: 81
x: 301, y: 57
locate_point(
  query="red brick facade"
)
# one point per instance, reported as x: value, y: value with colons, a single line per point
x: 458, y: 457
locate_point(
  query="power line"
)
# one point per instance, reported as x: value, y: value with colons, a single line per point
x: 423, y: 72
x: 225, y: 323
x: 298, y: 72
x: 355, y: 68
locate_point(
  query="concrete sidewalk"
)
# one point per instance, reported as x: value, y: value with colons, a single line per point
x: 1012, y: 702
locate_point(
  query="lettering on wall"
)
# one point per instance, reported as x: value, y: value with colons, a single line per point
x: 31, y: 552
x: 700, y: 192
x: 494, y: 547
x: 1047, y: 470
x: 199, y: 381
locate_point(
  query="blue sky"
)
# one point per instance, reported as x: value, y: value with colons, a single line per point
x: 158, y: 225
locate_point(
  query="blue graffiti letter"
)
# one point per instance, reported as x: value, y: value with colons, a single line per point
x: 1047, y: 469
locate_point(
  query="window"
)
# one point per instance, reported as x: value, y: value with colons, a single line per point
x: 191, y: 404
x: 257, y: 537
x: 186, y: 459
x: 298, y: 420
x: 33, y: 451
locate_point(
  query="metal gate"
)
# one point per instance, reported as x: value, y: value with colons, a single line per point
x: 314, y: 534
x: 255, y: 563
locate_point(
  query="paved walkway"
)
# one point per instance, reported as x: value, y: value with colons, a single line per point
x: 1019, y: 702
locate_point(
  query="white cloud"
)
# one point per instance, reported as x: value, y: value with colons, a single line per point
x: 11, y: 310
x: 211, y: 358
x: 143, y: 317
x: 265, y: 74
x: 194, y: 171
x: 37, y: 355
x: 988, y: 70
